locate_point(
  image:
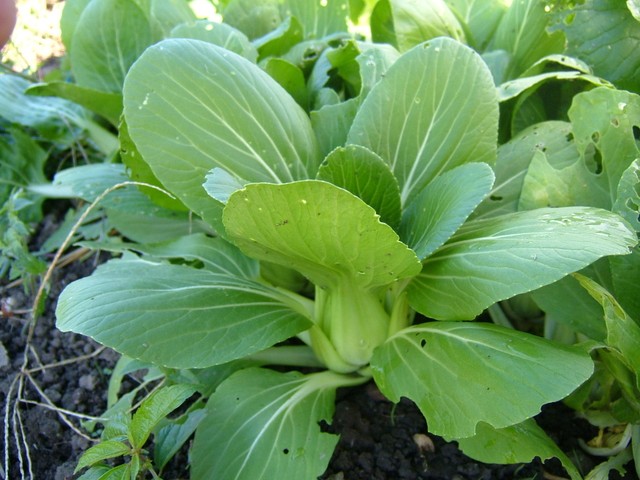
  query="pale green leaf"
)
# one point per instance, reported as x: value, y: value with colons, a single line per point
x: 262, y: 425
x: 154, y: 408
x: 627, y: 202
x: 406, y: 24
x: 501, y: 376
x: 70, y: 15
x: 109, y: 36
x: 140, y: 171
x: 290, y: 77
x: 443, y: 205
x: 178, y: 316
x: 523, y: 33
x: 634, y: 8
x: 220, y: 184
x: 518, y: 86
x: 603, y: 120
x: 219, y: 34
x: 235, y: 117
x: 331, y: 124
x: 215, y: 254
x: 108, y: 105
x: 102, y: 451
x: 554, y: 138
x: 367, y: 176
x: 601, y: 32
x: 280, y: 40
x: 254, y: 18
x: 558, y: 62
x: 436, y: 108
x: 167, y: 14
x: 481, y: 18
x: 323, y: 231
x: 319, y: 18
x: 493, y: 259
x: 521, y: 443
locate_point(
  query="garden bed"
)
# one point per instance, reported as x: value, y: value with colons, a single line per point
x: 68, y: 380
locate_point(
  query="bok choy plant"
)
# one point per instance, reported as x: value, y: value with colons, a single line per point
x: 345, y: 247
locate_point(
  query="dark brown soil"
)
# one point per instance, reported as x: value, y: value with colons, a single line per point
x: 378, y: 440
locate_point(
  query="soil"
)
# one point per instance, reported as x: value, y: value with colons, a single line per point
x: 378, y: 440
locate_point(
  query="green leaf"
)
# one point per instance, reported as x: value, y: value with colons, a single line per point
x: 625, y: 272
x: 367, y: 176
x: 95, y: 473
x: 443, y: 206
x: 109, y: 36
x: 406, y: 24
x: 262, y: 425
x: 178, y: 316
x: 627, y: 202
x: 102, y: 451
x: 419, y: 121
x: 319, y: 18
x: 603, y: 120
x: 501, y: 376
x: 22, y: 163
x: 108, y: 105
x: 215, y: 254
x: 219, y: 34
x: 184, y: 124
x: 254, y: 18
x: 290, y: 77
x: 167, y: 14
x: 70, y: 15
x: 323, y: 231
x: 518, y: 86
x: 153, y: 409
x: 611, y: 35
x: 172, y: 436
x: 554, y: 138
x: 566, y: 302
x: 494, y: 259
x: 523, y: 33
x: 280, y: 40
x: 220, y: 184
x: 634, y: 8
x: 140, y: 171
x: 121, y: 472
x: 480, y: 19
x: 521, y: 443
x: 623, y: 333
x: 331, y: 124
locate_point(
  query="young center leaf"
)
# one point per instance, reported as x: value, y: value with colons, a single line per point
x: 493, y: 259
x: 326, y: 233
x: 191, y: 106
x: 338, y: 242
x: 436, y: 108
x: 262, y: 425
x: 460, y: 374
